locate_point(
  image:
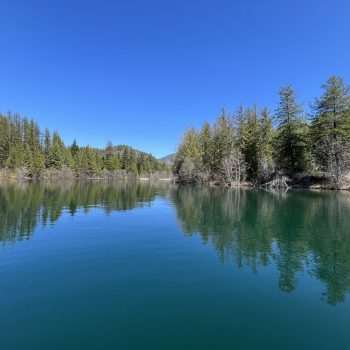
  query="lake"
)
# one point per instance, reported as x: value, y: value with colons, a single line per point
x: 141, y: 265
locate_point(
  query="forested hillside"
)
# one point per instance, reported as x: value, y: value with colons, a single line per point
x: 26, y: 151
x: 276, y: 149
x: 168, y: 159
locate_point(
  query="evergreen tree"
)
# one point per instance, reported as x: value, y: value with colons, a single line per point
x: 82, y: 162
x: 206, y: 144
x: 74, y: 148
x: 292, y: 146
x: 47, y: 145
x: 37, y: 162
x: 4, y: 140
x: 331, y: 129
x: 250, y: 142
x: 239, y: 118
x: 266, y: 135
x: 111, y: 159
x: 223, y: 140
x: 93, y: 164
x: 56, y: 155
x: 23, y: 145
x: 188, y: 160
x: 15, y: 158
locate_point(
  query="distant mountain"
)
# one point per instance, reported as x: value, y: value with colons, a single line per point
x: 167, y: 159
x: 119, y: 149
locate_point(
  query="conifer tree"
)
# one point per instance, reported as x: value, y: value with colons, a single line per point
x: 56, y: 154
x: 23, y: 145
x: 188, y: 159
x: 266, y: 135
x: 331, y: 129
x: 292, y: 146
x: 223, y: 140
x: 4, y: 140
x: 250, y: 142
x: 111, y: 160
x: 206, y: 144
x: 15, y: 158
x: 74, y: 148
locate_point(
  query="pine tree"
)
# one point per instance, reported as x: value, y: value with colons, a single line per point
x: 92, y: 162
x: 292, y: 146
x: 47, y: 145
x: 188, y: 160
x: 250, y: 142
x: 239, y: 119
x: 4, y: 140
x: 74, y: 148
x: 111, y: 160
x: 15, y: 158
x: 206, y: 144
x: 331, y: 129
x: 37, y: 163
x: 23, y: 145
x: 126, y: 155
x: 223, y: 140
x: 56, y: 155
x: 82, y: 162
x: 266, y: 136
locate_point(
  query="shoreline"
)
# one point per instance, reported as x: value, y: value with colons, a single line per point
x: 69, y: 175
x: 246, y: 185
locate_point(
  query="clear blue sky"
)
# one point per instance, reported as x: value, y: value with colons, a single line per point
x: 140, y: 72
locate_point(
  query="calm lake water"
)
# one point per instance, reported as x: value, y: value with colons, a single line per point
x: 155, y: 266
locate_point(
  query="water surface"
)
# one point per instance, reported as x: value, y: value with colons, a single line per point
x: 100, y: 265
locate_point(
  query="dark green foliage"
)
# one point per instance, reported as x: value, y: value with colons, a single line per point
x: 228, y: 151
x: 56, y: 154
x: 74, y: 148
x: 24, y: 147
x: 256, y: 228
x: 292, y: 147
x: 223, y: 140
x: 250, y: 141
x: 188, y: 160
x: 265, y: 146
x: 206, y: 144
x: 250, y: 146
x: 331, y: 129
x: 111, y: 158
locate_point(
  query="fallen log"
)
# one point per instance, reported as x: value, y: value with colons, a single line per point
x: 278, y: 182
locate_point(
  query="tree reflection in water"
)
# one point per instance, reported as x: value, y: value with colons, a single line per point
x: 295, y: 230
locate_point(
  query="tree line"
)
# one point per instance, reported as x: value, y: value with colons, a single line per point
x: 258, y: 146
x: 30, y: 152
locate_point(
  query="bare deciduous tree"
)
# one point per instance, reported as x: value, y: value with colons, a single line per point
x: 233, y: 168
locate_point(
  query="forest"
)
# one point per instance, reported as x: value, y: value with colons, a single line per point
x: 28, y: 152
x: 252, y: 146
x: 287, y: 147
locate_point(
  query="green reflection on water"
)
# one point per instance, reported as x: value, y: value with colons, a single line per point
x: 298, y: 231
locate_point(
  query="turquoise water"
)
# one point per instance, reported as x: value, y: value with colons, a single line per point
x: 155, y: 266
